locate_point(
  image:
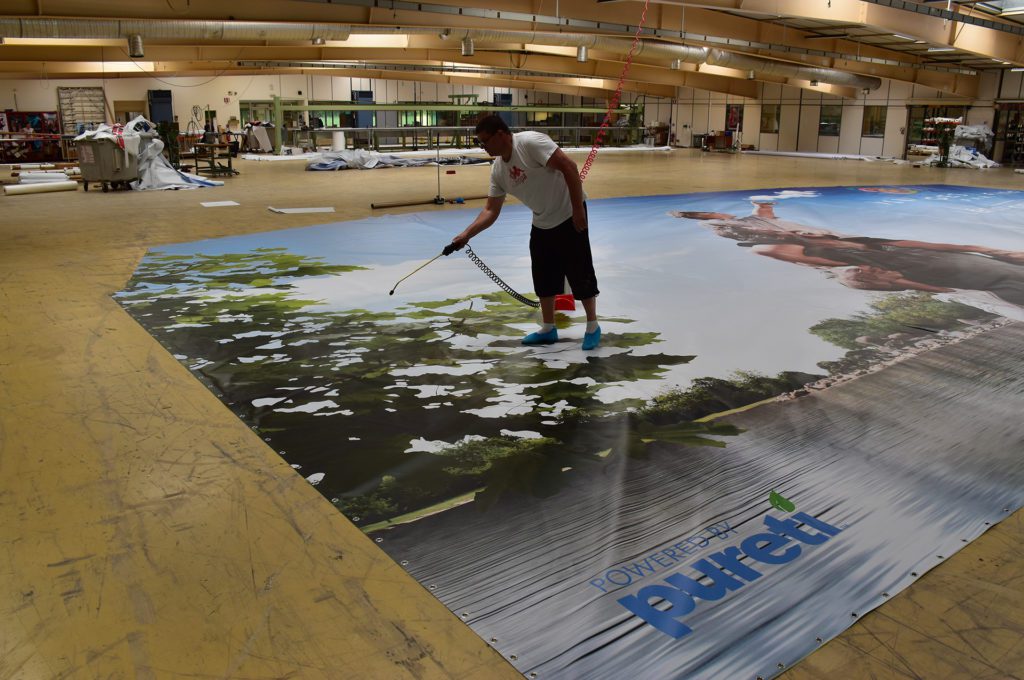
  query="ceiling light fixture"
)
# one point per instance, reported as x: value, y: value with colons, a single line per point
x: 676, y: 64
x: 581, y: 54
x: 942, y: 49
x: 467, y: 47
x: 904, y: 37
x: 814, y: 83
x: 319, y: 41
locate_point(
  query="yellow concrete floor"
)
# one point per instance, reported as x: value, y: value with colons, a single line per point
x: 147, y: 533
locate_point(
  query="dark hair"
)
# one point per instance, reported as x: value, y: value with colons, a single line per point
x: 492, y: 124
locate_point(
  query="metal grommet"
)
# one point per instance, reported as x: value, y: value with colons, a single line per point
x: 266, y: 439
x: 513, y: 657
x: 404, y: 563
x: 379, y: 540
x: 818, y: 640
x: 282, y: 452
x: 854, y: 614
x: 433, y: 587
x: 355, y: 519
x: 493, y: 640
x: 335, y: 500
x: 781, y: 665
x: 940, y: 557
x: 885, y: 594
x: 913, y: 573
x: 533, y: 675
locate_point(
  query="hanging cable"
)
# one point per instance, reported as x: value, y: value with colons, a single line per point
x: 614, y: 103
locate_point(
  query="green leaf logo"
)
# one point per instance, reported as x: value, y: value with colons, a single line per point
x: 780, y: 502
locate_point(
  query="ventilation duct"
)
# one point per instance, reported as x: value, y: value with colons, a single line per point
x: 135, y: 50
x: 174, y: 30
x: 656, y: 50
x: 744, y: 62
x: 215, y: 31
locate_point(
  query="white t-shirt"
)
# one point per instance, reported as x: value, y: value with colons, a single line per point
x: 527, y: 177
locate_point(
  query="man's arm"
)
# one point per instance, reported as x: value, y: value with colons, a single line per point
x: 485, y: 219
x: 565, y: 165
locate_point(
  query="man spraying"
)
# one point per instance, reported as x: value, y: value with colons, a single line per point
x: 531, y: 167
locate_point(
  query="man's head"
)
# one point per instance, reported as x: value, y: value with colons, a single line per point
x: 494, y: 137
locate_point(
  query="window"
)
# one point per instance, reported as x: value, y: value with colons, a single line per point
x: 828, y: 121
x: 80, y: 107
x: 770, y: 118
x: 417, y: 118
x: 874, y: 122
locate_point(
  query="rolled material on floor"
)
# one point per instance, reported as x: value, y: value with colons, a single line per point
x: 402, y: 204
x: 39, y: 188
x: 27, y: 177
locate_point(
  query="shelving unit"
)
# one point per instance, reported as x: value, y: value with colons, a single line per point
x: 933, y: 128
x: 1013, y: 149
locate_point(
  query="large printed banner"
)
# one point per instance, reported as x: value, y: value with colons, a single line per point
x: 804, y: 399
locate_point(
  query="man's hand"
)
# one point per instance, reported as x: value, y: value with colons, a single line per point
x: 579, y: 220
x: 458, y: 243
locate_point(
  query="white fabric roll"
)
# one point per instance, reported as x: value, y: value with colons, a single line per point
x: 39, y: 188
x: 338, y: 140
x: 27, y: 177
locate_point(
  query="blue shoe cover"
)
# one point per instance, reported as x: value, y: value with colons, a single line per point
x: 592, y: 340
x: 539, y: 338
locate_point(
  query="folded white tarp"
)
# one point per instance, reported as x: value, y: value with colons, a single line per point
x: 981, y: 133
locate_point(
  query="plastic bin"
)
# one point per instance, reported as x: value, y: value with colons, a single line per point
x: 103, y: 161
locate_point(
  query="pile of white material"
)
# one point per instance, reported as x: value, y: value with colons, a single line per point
x: 284, y: 157
x: 962, y: 157
x: 828, y: 156
x: 155, y: 171
x: 979, y: 133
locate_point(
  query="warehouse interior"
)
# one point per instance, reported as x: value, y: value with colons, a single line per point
x: 151, y: 533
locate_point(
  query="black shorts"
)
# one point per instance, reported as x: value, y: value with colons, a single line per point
x: 562, y: 253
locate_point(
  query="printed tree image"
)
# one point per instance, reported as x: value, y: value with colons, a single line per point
x: 349, y: 391
x: 903, y: 314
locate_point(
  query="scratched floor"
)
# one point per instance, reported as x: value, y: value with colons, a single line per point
x: 148, y: 534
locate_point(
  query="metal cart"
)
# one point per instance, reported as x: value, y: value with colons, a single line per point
x: 103, y: 161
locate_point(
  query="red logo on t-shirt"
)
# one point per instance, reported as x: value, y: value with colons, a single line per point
x: 517, y: 175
